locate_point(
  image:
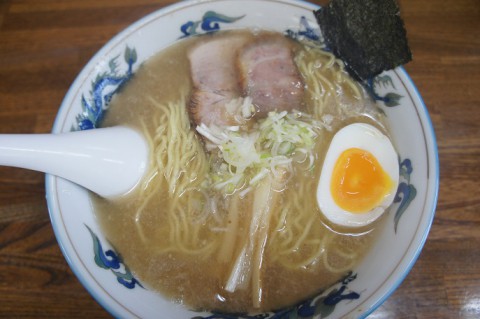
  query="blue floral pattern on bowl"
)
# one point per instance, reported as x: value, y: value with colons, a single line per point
x: 406, y: 192
x: 104, y: 86
x: 390, y: 99
x: 209, y: 22
x: 108, y: 83
x: 112, y: 261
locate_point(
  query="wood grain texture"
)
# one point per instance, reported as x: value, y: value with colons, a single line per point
x: 45, y: 43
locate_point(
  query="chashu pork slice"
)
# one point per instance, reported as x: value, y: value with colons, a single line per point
x: 215, y: 78
x: 270, y: 76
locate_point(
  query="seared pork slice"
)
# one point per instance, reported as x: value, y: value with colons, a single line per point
x: 215, y: 78
x: 270, y: 76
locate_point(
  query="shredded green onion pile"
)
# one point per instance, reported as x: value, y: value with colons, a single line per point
x: 269, y: 147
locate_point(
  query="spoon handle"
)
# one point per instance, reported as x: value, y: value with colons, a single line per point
x: 108, y: 161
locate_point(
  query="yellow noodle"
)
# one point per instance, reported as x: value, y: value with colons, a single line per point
x: 176, y: 150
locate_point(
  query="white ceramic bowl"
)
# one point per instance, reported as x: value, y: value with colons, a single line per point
x: 98, y: 267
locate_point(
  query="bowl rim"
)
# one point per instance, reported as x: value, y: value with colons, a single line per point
x: 50, y: 182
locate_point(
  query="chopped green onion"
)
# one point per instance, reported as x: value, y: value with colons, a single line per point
x: 269, y: 147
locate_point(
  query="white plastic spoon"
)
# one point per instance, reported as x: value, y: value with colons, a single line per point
x: 108, y: 161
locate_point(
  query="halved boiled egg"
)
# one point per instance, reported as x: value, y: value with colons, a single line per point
x: 359, y: 177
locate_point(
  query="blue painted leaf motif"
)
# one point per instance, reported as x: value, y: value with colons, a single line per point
x: 130, y: 57
x: 306, y: 310
x: 326, y: 304
x: 211, y: 19
x: 112, y: 263
x: 406, y: 192
x: 100, y: 257
x: 337, y: 295
x: 85, y: 122
x: 112, y: 65
x: 110, y: 260
x: 323, y: 309
x: 189, y: 28
x: 305, y: 31
x: 390, y: 99
x: 210, y: 22
x: 104, y: 86
x: 127, y: 278
x: 406, y: 169
x: 384, y: 81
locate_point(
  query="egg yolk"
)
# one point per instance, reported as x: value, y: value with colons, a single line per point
x: 359, y: 182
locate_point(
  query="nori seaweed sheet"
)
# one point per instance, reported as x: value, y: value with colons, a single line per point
x: 368, y: 35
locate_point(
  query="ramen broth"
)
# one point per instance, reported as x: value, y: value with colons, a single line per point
x: 183, y: 254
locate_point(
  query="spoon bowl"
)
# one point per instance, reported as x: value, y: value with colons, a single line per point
x: 108, y: 161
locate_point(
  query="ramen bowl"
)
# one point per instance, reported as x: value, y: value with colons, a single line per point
x: 100, y: 268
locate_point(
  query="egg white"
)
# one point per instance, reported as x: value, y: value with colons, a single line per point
x: 365, y: 137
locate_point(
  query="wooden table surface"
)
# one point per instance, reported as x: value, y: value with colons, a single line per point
x: 45, y: 43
